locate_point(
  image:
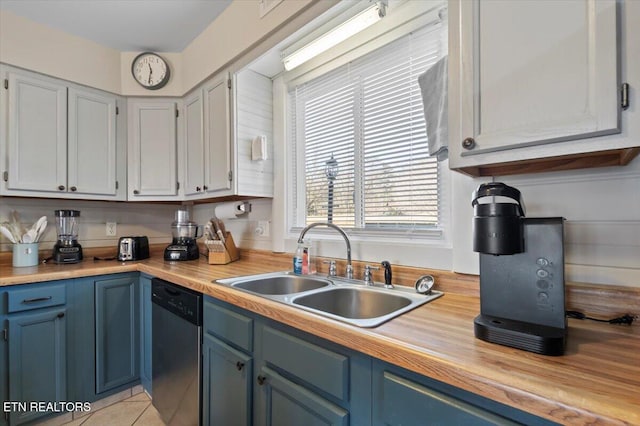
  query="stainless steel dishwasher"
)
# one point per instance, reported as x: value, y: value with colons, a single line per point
x: 176, y: 314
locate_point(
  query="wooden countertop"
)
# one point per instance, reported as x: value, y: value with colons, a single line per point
x: 596, y: 382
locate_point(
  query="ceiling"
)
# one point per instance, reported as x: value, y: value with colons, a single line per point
x: 124, y: 25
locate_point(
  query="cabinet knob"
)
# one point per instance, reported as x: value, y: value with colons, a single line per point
x: 61, y: 314
x: 136, y: 192
x: 261, y: 380
x: 198, y: 189
x: 73, y: 189
x: 205, y: 187
x: 469, y: 143
x: 61, y: 187
x: 239, y: 365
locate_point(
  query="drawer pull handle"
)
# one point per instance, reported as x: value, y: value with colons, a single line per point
x: 261, y: 380
x: 239, y: 365
x: 37, y: 299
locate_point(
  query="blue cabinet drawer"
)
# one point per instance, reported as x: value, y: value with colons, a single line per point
x: 324, y: 369
x: 35, y: 297
x: 227, y: 325
x: 408, y: 402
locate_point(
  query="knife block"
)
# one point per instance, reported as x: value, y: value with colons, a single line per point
x: 228, y: 254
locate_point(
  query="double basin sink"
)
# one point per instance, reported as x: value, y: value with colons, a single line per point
x: 342, y: 299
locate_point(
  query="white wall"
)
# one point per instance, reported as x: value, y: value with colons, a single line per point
x: 243, y: 228
x: 36, y: 47
x: 152, y: 220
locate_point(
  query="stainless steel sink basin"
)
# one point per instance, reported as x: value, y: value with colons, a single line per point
x: 282, y: 284
x: 354, y: 303
x: 344, y: 300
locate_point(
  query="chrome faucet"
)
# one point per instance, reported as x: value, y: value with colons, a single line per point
x: 349, y: 271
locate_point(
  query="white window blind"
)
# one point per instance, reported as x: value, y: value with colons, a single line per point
x: 368, y: 115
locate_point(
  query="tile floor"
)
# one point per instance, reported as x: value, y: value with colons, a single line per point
x: 136, y: 410
x: 127, y: 408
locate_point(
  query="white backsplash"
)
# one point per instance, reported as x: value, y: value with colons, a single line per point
x: 152, y: 220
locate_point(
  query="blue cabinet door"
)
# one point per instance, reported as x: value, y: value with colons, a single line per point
x: 226, y: 389
x: 288, y: 404
x: 145, y: 332
x: 37, y: 360
x: 117, y: 332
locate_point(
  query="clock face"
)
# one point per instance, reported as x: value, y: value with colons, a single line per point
x: 150, y: 70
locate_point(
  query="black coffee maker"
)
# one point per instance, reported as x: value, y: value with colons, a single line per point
x: 522, y: 301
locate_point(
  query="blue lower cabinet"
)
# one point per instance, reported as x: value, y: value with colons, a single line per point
x: 117, y: 332
x: 289, y: 404
x: 227, y: 388
x: 4, y: 370
x: 145, y: 332
x: 37, y: 361
x: 259, y: 372
x: 401, y: 397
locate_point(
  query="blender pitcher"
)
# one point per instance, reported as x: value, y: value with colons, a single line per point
x: 67, y: 249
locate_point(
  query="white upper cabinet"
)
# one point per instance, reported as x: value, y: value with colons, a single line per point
x: 207, y: 142
x: 61, y: 139
x: 220, y: 122
x: 217, y: 146
x: 193, y: 145
x: 92, y: 143
x: 153, y: 161
x: 37, y: 142
x: 531, y: 80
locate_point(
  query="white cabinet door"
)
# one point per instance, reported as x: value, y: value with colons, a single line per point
x: 194, y: 145
x: 528, y: 73
x: 217, y: 146
x: 37, y: 134
x: 92, y: 143
x: 152, y: 150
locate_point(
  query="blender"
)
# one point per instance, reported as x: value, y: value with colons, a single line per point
x: 184, y: 232
x: 66, y: 248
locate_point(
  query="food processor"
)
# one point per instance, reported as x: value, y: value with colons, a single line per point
x: 184, y: 232
x: 66, y: 248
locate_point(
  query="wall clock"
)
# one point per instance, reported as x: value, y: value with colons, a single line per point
x: 150, y: 70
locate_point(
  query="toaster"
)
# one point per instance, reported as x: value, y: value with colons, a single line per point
x: 133, y: 248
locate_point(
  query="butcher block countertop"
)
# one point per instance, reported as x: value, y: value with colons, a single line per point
x: 596, y: 382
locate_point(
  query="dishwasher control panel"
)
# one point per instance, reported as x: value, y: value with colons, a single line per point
x: 181, y: 301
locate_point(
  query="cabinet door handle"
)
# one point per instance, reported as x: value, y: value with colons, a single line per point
x: 198, y: 189
x: 261, y: 380
x: 61, y: 187
x: 136, y: 192
x: 239, y: 365
x: 73, y: 189
x: 205, y: 187
x: 61, y: 314
x: 37, y: 299
x: 469, y: 143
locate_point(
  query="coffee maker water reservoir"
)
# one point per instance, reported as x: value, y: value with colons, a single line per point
x: 522, y: 300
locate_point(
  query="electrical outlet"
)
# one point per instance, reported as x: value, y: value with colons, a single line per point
x: 263, y: 228
x: 112, y: 229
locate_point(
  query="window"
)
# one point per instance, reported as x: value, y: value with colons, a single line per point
x: 367, y: 116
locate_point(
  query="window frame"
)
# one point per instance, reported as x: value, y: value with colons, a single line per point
x: 437, y: 235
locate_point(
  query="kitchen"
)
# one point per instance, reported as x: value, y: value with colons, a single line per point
x: 602, y: 240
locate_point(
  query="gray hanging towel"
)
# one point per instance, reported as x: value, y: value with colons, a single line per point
x: 433, y: 85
